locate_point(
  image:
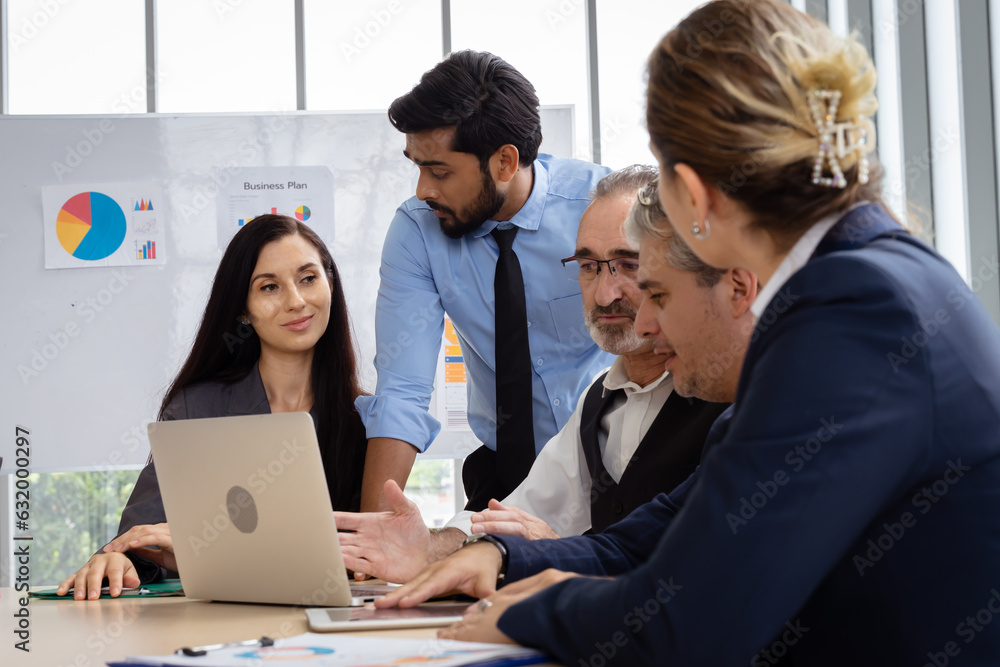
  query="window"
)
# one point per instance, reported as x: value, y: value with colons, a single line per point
x: 627, y: 31
x: 76, y: 513
x: 73, y: 515
x: 228, y: 55
x: 362, y: 55
x: 545, y: 41
x: 73, y: 57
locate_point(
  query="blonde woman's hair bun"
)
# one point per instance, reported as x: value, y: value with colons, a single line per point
x: 736, y: 104
x: 836, y: 63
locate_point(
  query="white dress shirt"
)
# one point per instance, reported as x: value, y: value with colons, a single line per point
x: 557, y: 489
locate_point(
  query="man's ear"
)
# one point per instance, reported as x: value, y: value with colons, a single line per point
x: 744, y: 286
x: 505, y: 162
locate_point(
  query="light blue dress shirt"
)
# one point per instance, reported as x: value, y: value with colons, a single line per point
x: 425, y: 274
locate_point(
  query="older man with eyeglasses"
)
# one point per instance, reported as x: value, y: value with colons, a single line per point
x: 631, y: 436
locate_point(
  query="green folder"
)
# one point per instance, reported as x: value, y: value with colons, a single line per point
x: 162, y: 589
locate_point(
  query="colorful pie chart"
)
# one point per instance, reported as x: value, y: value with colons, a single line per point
x: 303, y: 213
x: 90, y: 226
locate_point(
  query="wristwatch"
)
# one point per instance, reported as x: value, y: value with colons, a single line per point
x: 504, y: 556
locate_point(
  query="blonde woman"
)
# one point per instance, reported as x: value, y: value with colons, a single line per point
x: 851, y: 513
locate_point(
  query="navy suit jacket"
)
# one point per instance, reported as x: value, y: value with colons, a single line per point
x: 851, y: 513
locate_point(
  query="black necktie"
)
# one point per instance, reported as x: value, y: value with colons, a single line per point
x: 515, y: 437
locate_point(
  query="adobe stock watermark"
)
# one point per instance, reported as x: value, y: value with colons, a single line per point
x: 904, y: 9
x: 742, y: 172
x: 778, y: 649
x: 564, y: 522
x: 796, y: 459
x: 920, y: 163
x: 32, y: 25
x: 133, y: 100
x: 91, y: 138
x: 922, y: 502
x: 967, y: 630
x: 611, y: 131
x: 418, y: 322
x: 379, y: 20
x: 246, y: 152
x: 634, y: 621
x: 709, y: 32
x: 130, y: 441
x: 48, y: 348
x: 562, y: 13
x: 779, y: 305
x: 100, y: 641
x: 242, y: 333
x: 224, y: 7
x: 257, y: 483
x: 328, y: 591
x: 930, y: 326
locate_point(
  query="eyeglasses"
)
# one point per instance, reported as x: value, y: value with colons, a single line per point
x: 585, y: 270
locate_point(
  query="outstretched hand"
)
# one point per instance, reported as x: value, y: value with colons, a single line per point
x: 393, y: 545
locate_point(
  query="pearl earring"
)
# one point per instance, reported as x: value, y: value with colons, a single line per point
x: 696, y: 230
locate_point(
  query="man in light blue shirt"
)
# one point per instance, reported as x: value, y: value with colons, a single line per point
x: 472, y: 128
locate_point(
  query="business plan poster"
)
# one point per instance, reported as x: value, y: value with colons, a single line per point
x: 304, y: 193
x: 107, y: 224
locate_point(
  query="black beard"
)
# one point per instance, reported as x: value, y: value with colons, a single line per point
x: 487, y: 204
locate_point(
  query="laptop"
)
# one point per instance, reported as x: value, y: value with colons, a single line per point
x: 249, y: 511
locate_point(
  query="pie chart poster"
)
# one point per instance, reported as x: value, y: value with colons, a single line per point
x: 102, y: 225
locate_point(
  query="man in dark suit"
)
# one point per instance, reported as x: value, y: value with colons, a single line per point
x: 871, y: 531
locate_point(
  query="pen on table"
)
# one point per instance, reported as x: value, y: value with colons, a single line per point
x: 130, y: 591
x: 196, y: 651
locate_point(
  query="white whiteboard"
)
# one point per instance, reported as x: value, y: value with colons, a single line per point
x: 88, y: 406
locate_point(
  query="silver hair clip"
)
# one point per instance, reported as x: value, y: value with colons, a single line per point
x: 836, y: 140
x: 648, y: 196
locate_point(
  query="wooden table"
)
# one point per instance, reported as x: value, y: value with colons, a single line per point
x: 67, y: 633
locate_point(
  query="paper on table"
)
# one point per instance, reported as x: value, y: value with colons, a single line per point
x: 351, y: 651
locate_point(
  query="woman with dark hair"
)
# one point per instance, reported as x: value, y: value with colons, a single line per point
x: 850, y: 512
x: 284, y: 347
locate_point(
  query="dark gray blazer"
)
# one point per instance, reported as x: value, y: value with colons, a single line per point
x: 207, y: 399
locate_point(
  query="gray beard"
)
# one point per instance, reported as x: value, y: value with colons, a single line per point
x: 615, y: 339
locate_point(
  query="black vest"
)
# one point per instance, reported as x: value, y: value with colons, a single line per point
x: 667, y: 455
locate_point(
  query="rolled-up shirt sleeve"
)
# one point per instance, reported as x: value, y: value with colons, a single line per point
x: 409, y: 323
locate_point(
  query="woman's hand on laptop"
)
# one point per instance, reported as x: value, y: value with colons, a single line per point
x: 472, y: 570
x: 86, y: 583
x: 140, y: 539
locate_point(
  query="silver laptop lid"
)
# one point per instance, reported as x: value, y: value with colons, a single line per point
x: 249, y: 511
